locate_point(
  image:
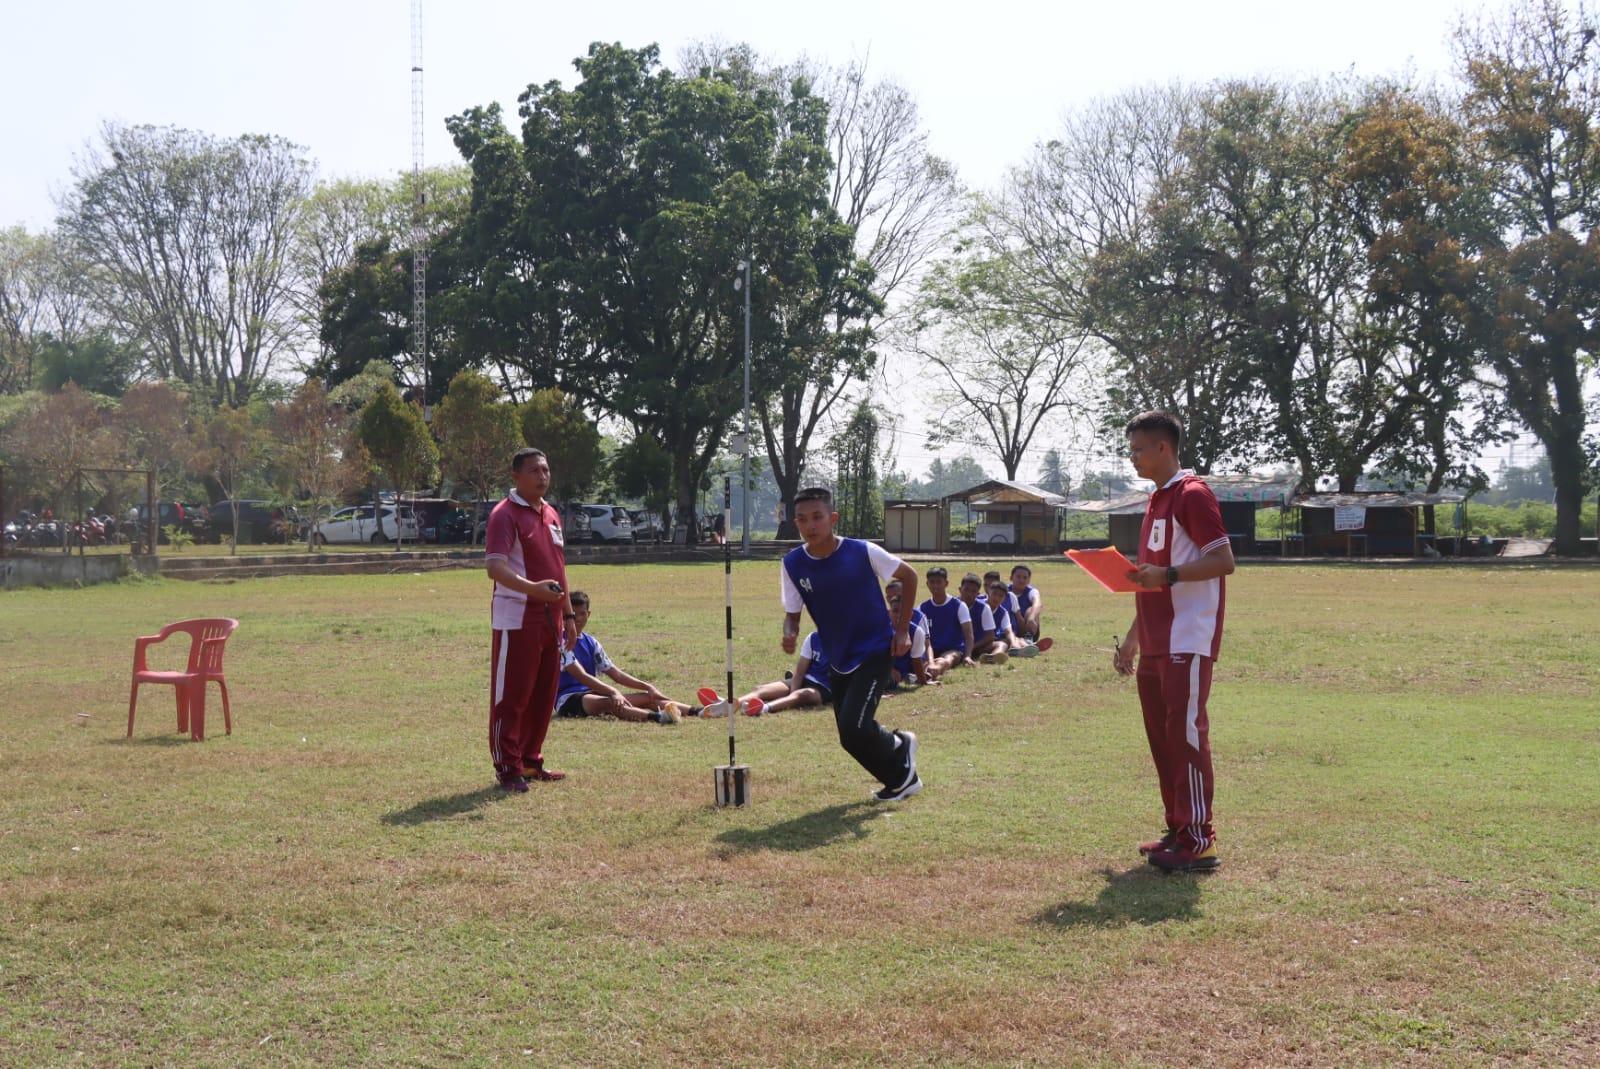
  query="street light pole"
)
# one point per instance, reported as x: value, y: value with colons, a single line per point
x: 745, y: 497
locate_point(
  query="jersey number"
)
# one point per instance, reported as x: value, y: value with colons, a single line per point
x: 1158, y: 536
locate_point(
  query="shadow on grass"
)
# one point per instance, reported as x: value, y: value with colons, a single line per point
x: 806, y: 832
x: 1141, y: 895
x: 452, y: 805
x: 151, y: 740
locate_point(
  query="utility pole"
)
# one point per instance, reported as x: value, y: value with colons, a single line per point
x: 419, y: 230
x: 745, y: 497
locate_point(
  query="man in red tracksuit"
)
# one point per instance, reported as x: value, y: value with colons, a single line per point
x: 1184, y: 553
x: 530, y: 614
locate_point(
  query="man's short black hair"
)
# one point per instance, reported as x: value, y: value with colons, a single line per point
x: 1161, y: 423
x: 990, y: 575
x: 972, y: 577
x: 938, y: 571
x: 894, y: 584
x: 520, y: 457
x: 815, y: 493
x: 1015, y: 568
x: 579, y: 600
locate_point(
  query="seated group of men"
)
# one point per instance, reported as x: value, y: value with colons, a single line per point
x: 989, y: 623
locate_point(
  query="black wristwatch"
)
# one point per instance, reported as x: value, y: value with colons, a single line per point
x: 1172, y: 577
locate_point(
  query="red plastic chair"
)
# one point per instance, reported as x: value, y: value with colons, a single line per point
x: 206, y: 641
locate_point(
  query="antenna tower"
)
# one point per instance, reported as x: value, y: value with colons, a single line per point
x: 419, y: 231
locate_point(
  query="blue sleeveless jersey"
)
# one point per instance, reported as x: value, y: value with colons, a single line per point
x: 902, y: 664
x: 818, y: 672
x: 583, y: 652
x: 842, y: 594
x: 944, y: 625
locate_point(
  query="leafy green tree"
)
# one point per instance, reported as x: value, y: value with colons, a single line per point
x: 95, y: 361
x: 894, y: 198
x: 394, y: 435
x: 1533, y: 109
x: 554, y: 422
x: 856, y: 496
x: 478, y: 434
x: 188, y: 240
x: 602, y: 248
x: 641, y: 469
x: 230, y: 447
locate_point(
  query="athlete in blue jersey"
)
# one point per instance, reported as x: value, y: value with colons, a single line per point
x: 591, y: 682
x: 911, y: 666
x: 808, y: 685
x: 949, y: 625
x: 836, y: 580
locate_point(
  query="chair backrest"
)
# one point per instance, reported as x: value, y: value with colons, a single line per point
x: 204, y: 657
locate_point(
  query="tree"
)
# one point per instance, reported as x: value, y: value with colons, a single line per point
x: 1533, y: 109
x: 59, y: 435
x: 41, y: 300
x: 229, y: 448
x: 1099, y: 248
x: 152, y: 421
x: 856, y: 497
x: 1010, y: 370
x: 602, y: 249
x: 95, y: 361
x: 642, y: 469
x: 553, y: 422
x: 393, y: 433
x: 355, y: 265
x: 188, y: 241
x: 320, y: 456
x: 1053, y: 474
x: 478, y: 434
x: 894, y: 198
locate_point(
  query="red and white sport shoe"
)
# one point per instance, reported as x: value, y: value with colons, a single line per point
x: 1181, y: 859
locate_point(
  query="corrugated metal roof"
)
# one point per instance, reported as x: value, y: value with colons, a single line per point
x: 1378, y: 499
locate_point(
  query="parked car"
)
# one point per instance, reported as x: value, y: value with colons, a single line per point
x: 646, y: 525
x: 259, y: 521
x: 189, y: 519
x: 609, y: 523
x: 359, y: 523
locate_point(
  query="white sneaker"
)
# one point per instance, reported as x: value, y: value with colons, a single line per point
x: 718, y: 708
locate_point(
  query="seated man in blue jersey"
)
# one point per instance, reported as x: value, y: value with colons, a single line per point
x: 1005, y: 627
x: 985, y: 648
x: 1027, y: 604
x: 584, y: 693
x: 807, y: 686
x: 949, y: 625
x: 910, y: 667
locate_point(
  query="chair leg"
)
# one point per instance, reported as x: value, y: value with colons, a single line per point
x: 227, y: 717
x: 183, y: 707
x: 133, y: 700
x: 197, y: 708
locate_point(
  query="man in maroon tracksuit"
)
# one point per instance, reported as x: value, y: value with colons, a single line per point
x: 1184, y: 553
x: 530, y: 614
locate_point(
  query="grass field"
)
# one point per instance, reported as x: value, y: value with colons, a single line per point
x: 1408, y: 774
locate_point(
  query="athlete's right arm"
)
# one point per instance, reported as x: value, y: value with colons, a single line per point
x: 791, y: 631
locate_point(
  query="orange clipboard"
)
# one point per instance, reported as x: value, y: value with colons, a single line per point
x: 1107, y: 567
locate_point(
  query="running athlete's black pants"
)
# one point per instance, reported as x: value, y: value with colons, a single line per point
x: 855, y: 710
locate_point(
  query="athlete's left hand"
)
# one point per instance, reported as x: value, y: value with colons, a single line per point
x: 902, y: 643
